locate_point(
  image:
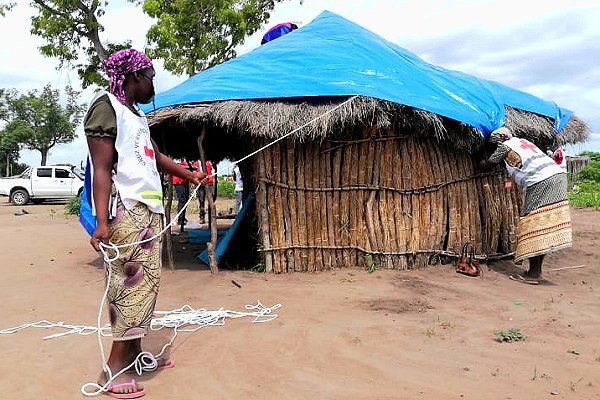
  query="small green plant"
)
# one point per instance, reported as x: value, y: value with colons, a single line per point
x: 73, y: 205
x: 370, y: 264
x: 259, y: 268
x: 435, y: 324
x: 430, y: 331
x: 511, y: 335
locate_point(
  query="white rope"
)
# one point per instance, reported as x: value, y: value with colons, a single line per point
x: 184, y: 319
x: 193, y: 194
x: 186, y: 315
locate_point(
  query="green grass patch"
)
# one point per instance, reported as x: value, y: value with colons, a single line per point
x: 226, y: 188
x: 73, y: 205
x: 585, y: 192
x: 511, y: 335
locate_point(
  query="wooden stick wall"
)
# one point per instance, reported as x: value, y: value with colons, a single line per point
x: 397, y: 201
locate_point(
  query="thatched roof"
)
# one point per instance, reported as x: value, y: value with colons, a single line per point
x: 231, y: 122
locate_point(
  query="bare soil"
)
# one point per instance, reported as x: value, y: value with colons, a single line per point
x: 343, y: 334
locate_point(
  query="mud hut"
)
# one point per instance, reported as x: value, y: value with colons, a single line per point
x: 377, y: 155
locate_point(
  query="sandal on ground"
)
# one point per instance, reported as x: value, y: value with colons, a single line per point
x: 112, y: 390
x: 470, y: 269
x: 525, y: 279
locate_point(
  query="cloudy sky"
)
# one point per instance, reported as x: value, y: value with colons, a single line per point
x: 549, y: 50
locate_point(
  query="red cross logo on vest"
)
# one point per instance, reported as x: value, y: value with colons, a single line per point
x: 526, y: 145
x: 149, y: 152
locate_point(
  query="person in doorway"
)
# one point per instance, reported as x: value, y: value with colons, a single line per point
x: 545, y: 222
x: 239, y: 188
x: 210, y: 181
x: 127, y: 203
x: 182, y: 192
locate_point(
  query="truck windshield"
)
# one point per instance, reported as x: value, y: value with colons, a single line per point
x: 80, y: 174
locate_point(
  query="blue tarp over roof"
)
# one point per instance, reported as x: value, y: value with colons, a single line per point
x: 332, y: 56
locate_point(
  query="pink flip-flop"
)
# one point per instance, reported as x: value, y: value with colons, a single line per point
x: 168, y: 364
x: 133, y: 395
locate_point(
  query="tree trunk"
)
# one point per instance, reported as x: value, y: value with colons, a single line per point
x: 44, y: 157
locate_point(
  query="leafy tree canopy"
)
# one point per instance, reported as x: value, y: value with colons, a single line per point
x: 72, y: 33
x: 192, y: 35
x: 5, y: 7
x: 189, y: 35
x: 38, y: 120
x: 593, y: 155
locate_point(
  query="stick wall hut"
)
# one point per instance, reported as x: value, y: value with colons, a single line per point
x: 381, y: 165
x: 372, y: 183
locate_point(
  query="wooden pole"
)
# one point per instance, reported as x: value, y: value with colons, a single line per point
x: 210, y: 247
x: 293, y: 203
x: 168, y: 237
x: 261, y: 206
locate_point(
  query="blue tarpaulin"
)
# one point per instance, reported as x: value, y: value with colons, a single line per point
x: 332, y: 56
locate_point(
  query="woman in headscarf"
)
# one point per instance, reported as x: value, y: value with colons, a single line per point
x: 127, y: 201
x: 545, y: 222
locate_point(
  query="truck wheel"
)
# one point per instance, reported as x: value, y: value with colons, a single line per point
x: 19, y: 197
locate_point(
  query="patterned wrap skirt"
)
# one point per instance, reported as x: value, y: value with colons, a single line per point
x: 545, y: 223
x: 133, y: 279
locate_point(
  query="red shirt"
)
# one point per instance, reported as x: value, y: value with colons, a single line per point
x: 177, y: 180
x: 209, y: 171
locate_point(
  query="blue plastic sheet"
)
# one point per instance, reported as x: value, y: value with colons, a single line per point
x: 332, y: 56
x: 86, y: 218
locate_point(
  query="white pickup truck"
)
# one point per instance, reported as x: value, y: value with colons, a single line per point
x: 53, y: 182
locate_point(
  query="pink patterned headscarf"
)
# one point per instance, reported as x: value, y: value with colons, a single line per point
x: 121, y: 63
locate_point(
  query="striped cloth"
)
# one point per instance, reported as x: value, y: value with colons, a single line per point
x: 544, y: 230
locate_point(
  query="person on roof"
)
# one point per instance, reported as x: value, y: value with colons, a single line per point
x: 278, y: 31
x: 545, y: 222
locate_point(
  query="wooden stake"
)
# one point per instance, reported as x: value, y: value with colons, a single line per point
x: 261, y: 207
x: 210, y: 247
x: 567, y: 268
x: 168, y: 238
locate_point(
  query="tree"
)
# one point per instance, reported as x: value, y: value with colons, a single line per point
x: 64, y: 24
x: 38, y: 121
x: 9, y: 143
x: 9, y: 154
x: 192, y: 35
x: 5, y: 7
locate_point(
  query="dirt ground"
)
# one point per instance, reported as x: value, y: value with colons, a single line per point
x: 344, y: 334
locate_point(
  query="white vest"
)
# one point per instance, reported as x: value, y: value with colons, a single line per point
x: 137, y: 178
x: 536, y: 166
x: 239, y: 184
